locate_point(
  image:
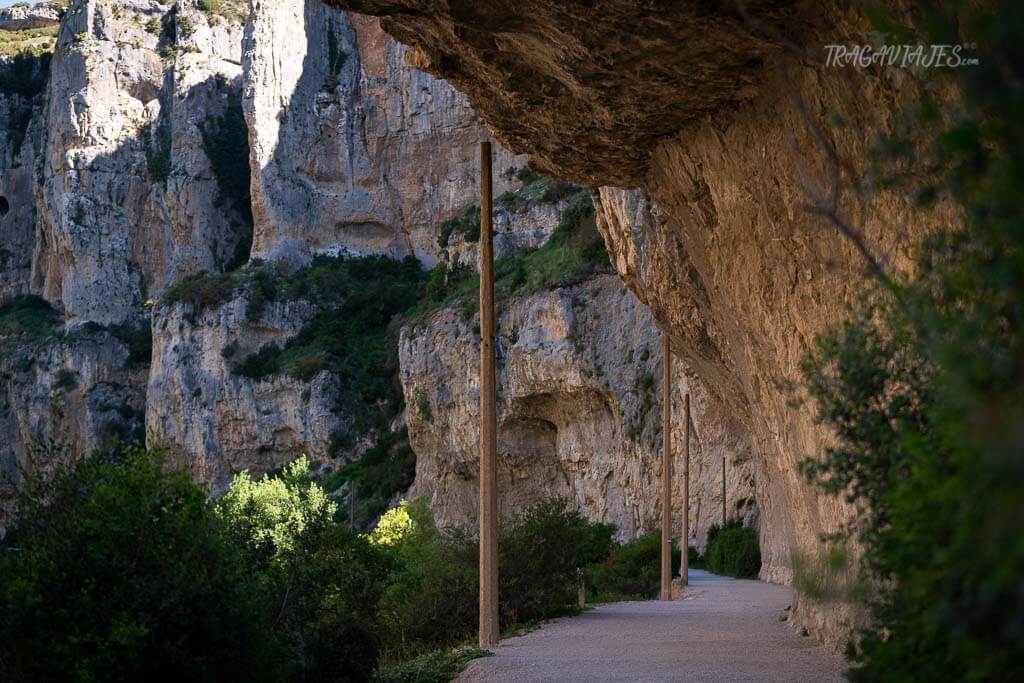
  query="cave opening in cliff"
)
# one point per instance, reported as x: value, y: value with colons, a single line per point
x: 5, y: 206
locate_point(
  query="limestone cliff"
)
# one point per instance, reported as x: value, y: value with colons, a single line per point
x: 169, y: 140
x: 218, y: 422
x: 579, y: 387
x: 129, y: 202
x: 351, y: 148
x: 710, y: 129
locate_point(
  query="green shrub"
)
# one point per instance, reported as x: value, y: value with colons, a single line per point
x: 323, y: 581
x: 632, y: 571
x: 430, y: 600
x: 467, y: 225
x: 116, y: 569
x: 437, y: 666
x: 541, y: 553
x: 28, y: 317
x: 733, y: 551
x: 203, y: 291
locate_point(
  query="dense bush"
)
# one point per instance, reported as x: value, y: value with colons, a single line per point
x: 924, y: 383
x: 541, y: 553
x: 203, y: 290
x: 733, y: 551
x: 117, y: 569
x: 430, y: 600
x: 631, y: 572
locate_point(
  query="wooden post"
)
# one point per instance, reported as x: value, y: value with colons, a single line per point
x: 684, y: 567
x: 488, y: 417
x: 666, y: 471
x: 581, y: 589
x: 723, y: 490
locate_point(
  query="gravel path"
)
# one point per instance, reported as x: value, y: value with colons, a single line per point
x: 722, y: 630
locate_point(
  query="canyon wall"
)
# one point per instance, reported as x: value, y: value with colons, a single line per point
x: 170, y: 158
x: 726, y: 153
x: 129, y: 202
x: 579, y: 414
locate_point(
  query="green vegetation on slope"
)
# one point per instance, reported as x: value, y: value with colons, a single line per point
x: 535, y: 189
x: 353, y: 337
x: 386, y: 468
x: 28, y: 42
x: 574, y: 252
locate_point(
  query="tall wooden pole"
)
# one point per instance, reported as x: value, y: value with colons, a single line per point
x: 684, y: 567
x: 488, y: 417
x: 723, y: 490
x: 666, y: 471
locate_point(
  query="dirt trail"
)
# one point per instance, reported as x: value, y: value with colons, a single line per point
x: 724, y: 630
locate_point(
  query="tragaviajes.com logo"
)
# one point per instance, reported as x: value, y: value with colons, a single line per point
x: 900, y: 56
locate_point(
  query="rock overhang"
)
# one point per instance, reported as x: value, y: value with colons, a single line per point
x: 588, y: 88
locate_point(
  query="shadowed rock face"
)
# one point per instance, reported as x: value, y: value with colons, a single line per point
x: 588, y: 89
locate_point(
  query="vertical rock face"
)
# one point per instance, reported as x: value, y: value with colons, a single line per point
x: 217, y: 422
x: 129, y: 201
x: 579, y: 374
x: 130, y: 177
x: 64, y: 396
x: 20, y: 133
x: 351, y: 148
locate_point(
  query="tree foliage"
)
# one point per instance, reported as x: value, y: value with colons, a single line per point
x: 923, y: 387
x: 117, y: 570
